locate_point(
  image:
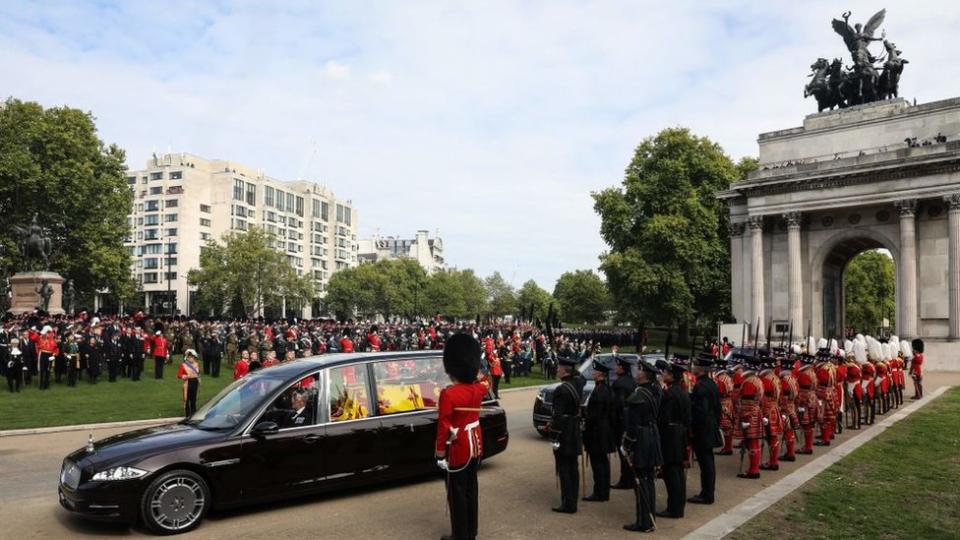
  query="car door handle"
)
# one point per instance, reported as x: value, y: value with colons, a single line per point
x: 309, y: 439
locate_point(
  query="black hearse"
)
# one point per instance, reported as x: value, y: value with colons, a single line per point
x: 322, y: 423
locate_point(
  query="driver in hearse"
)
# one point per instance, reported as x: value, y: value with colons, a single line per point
x: 300, y: 415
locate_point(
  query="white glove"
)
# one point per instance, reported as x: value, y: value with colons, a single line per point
x: 801, y: 410
x: 442, y: 463
x: 766, y: 421
x: 784, y: 417
x: 623, y: 451
x: 744, y: 425
x: 876, y: 383
x: 555, y: 445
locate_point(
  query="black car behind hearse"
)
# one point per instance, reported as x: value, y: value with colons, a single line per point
x: 318, y: 424
x: 543, y: 404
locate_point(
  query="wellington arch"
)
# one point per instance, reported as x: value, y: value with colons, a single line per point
x: 882, y: 175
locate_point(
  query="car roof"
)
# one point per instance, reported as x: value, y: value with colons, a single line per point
x: 304, y: 366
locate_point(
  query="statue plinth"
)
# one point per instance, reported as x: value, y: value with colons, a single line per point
x: 23, y: 287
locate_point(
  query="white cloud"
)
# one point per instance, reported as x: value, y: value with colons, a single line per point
x: 505, y: 117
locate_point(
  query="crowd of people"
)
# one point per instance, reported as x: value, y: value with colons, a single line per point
x: 40, y: 349
x: 659, y: 416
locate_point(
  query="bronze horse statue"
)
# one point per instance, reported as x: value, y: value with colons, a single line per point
x: 34, y: 244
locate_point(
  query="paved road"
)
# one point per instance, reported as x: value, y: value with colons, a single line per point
x: 517, y: 489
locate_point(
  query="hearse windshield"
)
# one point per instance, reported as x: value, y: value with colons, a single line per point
x: 232, y: 405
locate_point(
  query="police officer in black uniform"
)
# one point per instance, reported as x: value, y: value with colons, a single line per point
x: 597, y: 433
x: 705, y: 422
x: 674, y: 424
x: 622, y: 388
x: 641, y: 445
x: 565, y: 429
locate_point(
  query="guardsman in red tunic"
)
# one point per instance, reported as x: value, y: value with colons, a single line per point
x: 840, y: 376
x: 459, y: 442
x: 825, y: 390
x: 727, y: 413
x: 346, y: 344
x: 808, y: 406
x: 373, y: 339
x: 737, y: 377
x: 916, y: 368
x: 789, y: 390
x: 854, y: 390
x: 751, y: 418
x: 772, y: 419
x: 868, y: 374
x: 47, y: 349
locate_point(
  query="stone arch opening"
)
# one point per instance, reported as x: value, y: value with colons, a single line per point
x: 830, y: 263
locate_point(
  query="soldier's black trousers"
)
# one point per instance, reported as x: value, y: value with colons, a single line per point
x: 646, y: 497
x: 72, y: 376
x: 626, y: 471
x: 158, y: 367
x: 206, y: 364
x: 569, y: 472
x: 600, y: 463
x: 13, y: 381
x: 463, y: 500
x: 45, y: 359
x: 215, y: 366
x: 674, y: 477
x: 112, y: 371
x: 190, y: 405
x: 708, y: 472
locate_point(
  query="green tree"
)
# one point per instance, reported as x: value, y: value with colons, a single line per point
x: 245, y: 275
x: 668, y: 258
x: 474, y: 293
x: 868, y: 290
x: 582, y: 296
x: 388, y: 288
x: 530, y: 294
x: 53, y: 164
x: 501, y: 297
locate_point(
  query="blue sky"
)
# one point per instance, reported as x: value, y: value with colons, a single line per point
x: 491, y: 121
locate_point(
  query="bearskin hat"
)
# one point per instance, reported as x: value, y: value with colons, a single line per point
x: 461, y: 357
x: 917, y: 345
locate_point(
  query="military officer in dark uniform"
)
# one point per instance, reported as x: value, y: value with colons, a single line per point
x: 622, y: 387
x: 641, y: 445
x: 565, y: 429
x: 597, y: 433
x: 674, y: 424
x: 705, y: 423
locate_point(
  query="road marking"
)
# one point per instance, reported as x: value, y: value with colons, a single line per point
x: 730, y: 520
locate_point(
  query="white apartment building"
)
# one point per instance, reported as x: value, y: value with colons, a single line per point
x: 182, y: 201
x: 425, y: 250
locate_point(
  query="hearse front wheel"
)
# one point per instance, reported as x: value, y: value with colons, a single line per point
x: 175, y: 502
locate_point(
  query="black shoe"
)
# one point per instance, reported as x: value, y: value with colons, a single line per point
x: 724, y: 453
x: 822, y: 443
x: 805, y: 452
x: 563, y: 510
x: 668, y: 515
x: 768, y: 467
x: 619, y: 485
x: 636, y: 527
x: 751, y: 476
x: 594, y: 498
x: 697, y: 499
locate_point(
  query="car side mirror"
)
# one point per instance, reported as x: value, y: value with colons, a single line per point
x: 262, y: 429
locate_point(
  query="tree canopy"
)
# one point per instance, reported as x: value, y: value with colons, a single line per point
x: 501, y: 296
x: 582, y: 297
x: 389, y: 287
x: 244, y: 275
x: 53, y: 164
x: 533, y: 296
x: 668, y: 260
x: 869, y: 289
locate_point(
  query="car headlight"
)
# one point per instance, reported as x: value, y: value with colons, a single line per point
x: 119, y: 473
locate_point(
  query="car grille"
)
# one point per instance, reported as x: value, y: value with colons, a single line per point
x: 70, y: 474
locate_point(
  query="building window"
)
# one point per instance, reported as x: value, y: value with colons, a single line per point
x: 205, y: 208
x: 238, y: 190
x: 280, y: 200
x: 151, y: 234
x: 169, y: 218
x: 131, y: 180
x: 205, y: 236
x: 170, y: 276
x: 172, y: 203
x: 176, y: 175
x: 172, y: 248
x: 150, y: 277
x: 152, y: 206
x: 156, y: 175
x: 251, y: 194
x: 268, y: 196
x: 152, y: 249
x: 151, y: 263
x: 171, y: 232
x: 156, y: 190
x: 143, y: 180
x: 204, y: 222
x: 170, y: 261
x: 300, y: 206
x: 291, y: 205
x: 152, y: 219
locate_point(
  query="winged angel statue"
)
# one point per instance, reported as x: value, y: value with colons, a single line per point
x: 834, y: 86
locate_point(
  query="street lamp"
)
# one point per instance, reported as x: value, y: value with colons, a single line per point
x: 169, y: 288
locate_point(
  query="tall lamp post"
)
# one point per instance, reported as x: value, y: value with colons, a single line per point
x: 169, y: 288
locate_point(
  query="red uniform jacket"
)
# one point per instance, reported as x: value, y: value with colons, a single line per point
x: 241, y: 369
x: 159, y: 346
x: 461, y: 426
x: 916, y: 366
x: 346, y: 345
x: 750, y: 394
x: 770, y: 404
x: 374, y: 341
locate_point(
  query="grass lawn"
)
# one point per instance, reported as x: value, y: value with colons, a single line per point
x: 103, y: 402
x: 905, y: 483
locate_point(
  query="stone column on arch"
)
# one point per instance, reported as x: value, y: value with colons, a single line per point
x: 907, y: 271
x: 755, y: 223
x: 795, y: 268
x: 953, y: 271
x: 738, y: 305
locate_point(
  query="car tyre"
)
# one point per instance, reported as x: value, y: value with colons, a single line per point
x: 175, y: 502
